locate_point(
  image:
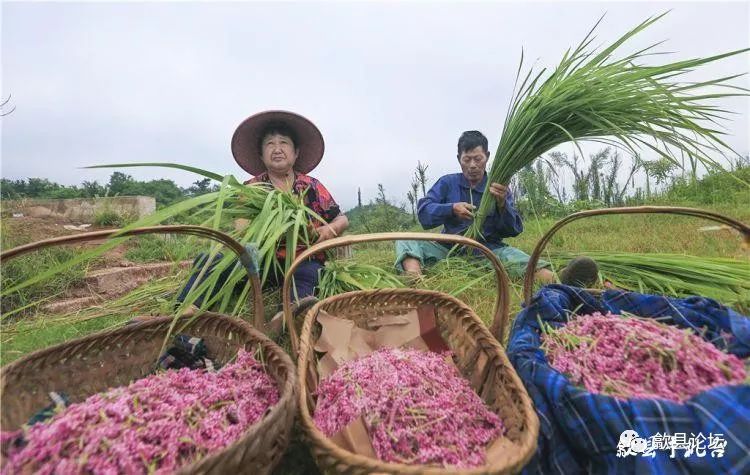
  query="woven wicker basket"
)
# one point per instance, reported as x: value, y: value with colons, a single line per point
x: 480, y: 358
x: 93, y: 364
x: 528, y: 283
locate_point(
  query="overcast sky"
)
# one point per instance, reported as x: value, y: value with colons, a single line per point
x: 388, y: 84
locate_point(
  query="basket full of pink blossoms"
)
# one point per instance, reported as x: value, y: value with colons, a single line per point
x: 621, y: 377
x: 409, y: 381
x: 126, y: 416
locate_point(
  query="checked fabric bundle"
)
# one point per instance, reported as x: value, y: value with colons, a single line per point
x: 581, y: 431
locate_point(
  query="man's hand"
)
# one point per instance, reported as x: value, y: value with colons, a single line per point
x: 463, y: 210
x: 500, y: 192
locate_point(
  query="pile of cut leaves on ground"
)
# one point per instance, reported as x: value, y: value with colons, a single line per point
x: 725, y: 280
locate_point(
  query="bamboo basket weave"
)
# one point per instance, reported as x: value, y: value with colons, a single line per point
x: 95, y: 363
x: 528, y: 283
x: 480, y: 359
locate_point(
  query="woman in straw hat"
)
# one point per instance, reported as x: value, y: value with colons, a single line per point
x: 280, y: 148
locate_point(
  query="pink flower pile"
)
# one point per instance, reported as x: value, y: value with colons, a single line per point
x: 638, y: 358
x: 154, y: 425
x: 416, y: 407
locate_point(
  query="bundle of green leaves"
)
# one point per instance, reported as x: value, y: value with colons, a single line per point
x: 726, y: 280
x: 623, y: 102
x: 346, y: 276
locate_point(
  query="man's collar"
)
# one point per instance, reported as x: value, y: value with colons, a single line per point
x: 462, y: 181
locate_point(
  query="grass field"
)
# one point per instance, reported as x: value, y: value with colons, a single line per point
x: 635, y: 233
x: 638, y: 234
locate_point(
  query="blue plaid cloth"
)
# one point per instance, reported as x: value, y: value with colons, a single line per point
x: 580, y: 431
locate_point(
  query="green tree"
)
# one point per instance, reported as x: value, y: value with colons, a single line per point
x: 200, y: 187
x: 413, y: 202
x: 12, y: 189
x: 660, y: 170
x: 580, y: 174
x: 165, y: 191
x: 40, y: 187
x: 420, y: 174
x: 90, y: 189
x: 119, y: 182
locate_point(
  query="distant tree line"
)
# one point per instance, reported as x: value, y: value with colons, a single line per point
x: 164, y: 191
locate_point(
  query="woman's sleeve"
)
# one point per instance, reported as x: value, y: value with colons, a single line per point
x: 328, y: 208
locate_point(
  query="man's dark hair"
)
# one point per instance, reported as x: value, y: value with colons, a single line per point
x: 472, y: 139
x: 277, y: 128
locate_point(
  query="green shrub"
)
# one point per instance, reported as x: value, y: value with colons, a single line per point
x: 108, y: 218
x: 720, y: 187
x: 378, y: 218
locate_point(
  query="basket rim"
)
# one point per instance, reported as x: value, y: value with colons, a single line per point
x: 273, y: 415
x: 376, y: 465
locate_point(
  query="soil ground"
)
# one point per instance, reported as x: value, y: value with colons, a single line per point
x: 19, y: 231
x: 110, y: 275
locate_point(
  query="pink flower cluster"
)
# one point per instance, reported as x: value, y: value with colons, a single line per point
x: 154, y: 425
x: 632, y: 357
x: 416, y: 407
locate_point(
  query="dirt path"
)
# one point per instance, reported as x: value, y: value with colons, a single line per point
x: 19, y: 231
x: 108, y: 277
x: 109, y: 283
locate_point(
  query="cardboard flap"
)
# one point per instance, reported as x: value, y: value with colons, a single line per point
x: 355, y: 439
x: 334, y: 330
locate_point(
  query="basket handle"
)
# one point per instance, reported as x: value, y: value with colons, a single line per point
x: 246, y: 257
x: 528, y: 282
x: 502, y: 304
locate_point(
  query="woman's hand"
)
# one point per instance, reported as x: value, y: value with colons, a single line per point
x: 240, y: 224
x: 331, y: 230
x: 325, y: 233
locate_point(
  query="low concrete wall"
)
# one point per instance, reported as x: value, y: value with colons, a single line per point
x: 81, y: 209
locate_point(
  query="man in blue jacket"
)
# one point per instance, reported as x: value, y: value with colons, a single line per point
x: 451, y: 203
